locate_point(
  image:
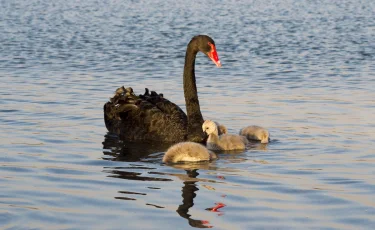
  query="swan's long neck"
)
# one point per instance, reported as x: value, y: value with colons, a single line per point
x: 195, y: 119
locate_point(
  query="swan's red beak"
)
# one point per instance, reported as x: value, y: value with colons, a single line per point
x: 213, y: 55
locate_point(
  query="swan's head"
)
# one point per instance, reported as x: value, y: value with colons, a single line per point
x: 209, y: 127
x: 207, y: 46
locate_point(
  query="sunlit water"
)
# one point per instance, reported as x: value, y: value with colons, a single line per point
x: 303, y: 69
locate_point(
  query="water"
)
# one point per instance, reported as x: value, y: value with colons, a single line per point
x: 302, y: 69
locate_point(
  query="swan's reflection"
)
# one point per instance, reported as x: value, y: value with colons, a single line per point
x: 188, y: 195
x: 116, y: 150
x: 257, y: 146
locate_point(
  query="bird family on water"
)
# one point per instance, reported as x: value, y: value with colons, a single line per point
x: 151, y: 117
x: 192, y: 152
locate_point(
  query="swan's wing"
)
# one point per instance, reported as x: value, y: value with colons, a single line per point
x: 138, y: 118
x: 164, y: 104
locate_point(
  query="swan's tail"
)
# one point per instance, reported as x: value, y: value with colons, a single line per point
x: 122, y: 102
x: 126, y: 102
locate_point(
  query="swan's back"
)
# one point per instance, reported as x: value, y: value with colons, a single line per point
x: 144, y: 117
x: 255, y: 133
x: 188, y: 152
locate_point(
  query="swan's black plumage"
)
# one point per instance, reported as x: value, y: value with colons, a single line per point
x: 151, y: 117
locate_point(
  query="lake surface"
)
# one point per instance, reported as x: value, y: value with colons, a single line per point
x: 303, y: 69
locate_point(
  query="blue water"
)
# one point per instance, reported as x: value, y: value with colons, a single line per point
x: 303, y: 69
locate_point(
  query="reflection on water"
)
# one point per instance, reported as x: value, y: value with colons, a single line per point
x: 115, y: 149
x: 145, y: 164
x: 118, y: 150
x: 188, y: 194
x: 120, y: 173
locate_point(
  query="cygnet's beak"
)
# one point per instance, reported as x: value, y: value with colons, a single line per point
x: 265, y: 141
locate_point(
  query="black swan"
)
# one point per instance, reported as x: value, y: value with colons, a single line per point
x: 151, y: 117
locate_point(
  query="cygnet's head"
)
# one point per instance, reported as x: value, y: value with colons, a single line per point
x: 221, y: 128
x: 209, y: 127
x: 265, y: 137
